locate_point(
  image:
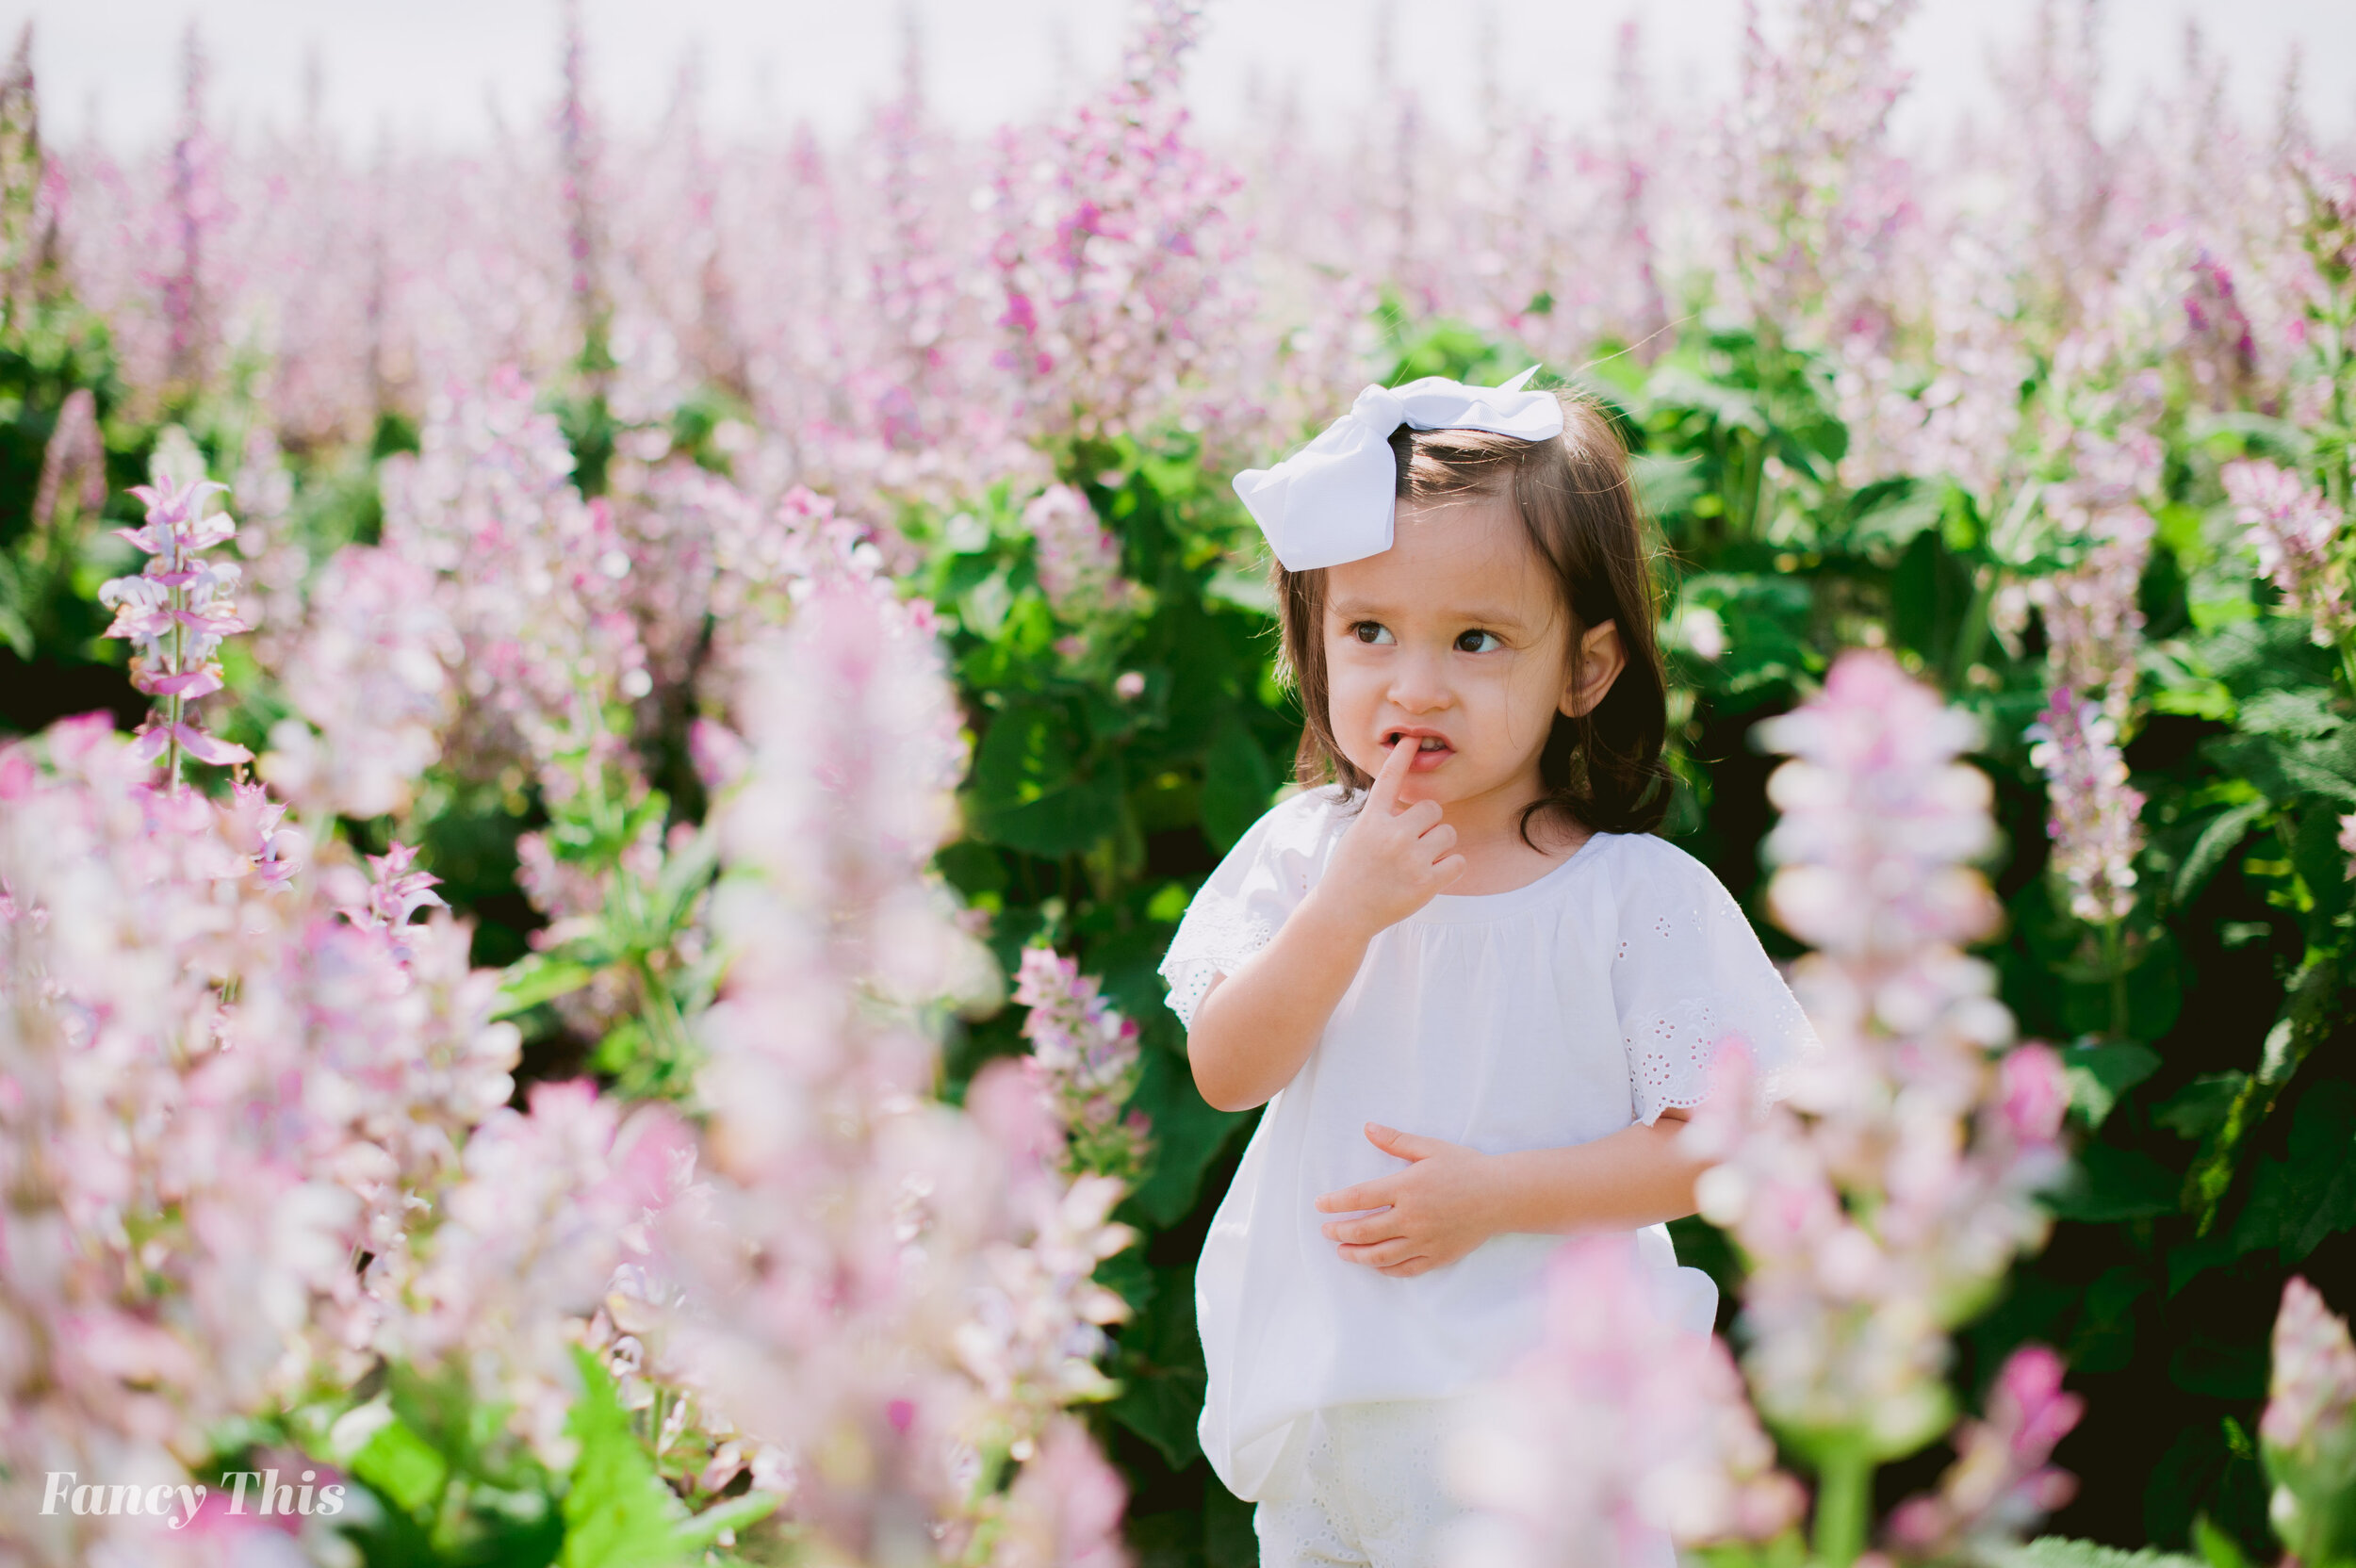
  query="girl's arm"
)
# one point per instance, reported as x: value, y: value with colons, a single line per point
x: 1633, y: 1178
x: 1253, y: 1028
x: 1451, y: 1197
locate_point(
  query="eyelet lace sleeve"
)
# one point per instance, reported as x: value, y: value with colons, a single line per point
x: 1241, y: 904
x: 1688, y: 973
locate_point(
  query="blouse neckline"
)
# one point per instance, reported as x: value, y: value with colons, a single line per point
x: 1455, y: 907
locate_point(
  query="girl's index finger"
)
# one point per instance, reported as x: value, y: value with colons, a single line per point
x: 1384, y: 791
x: 1349, y: 1199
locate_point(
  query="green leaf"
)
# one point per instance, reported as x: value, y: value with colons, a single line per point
x: 403, y: 1466
x: 2054, y: 1551
x: 2278, y: 438
x: 2323, y: 866
x: 1665, y: 485
x: 1127, y: 1275
x: 2300, y: 712
x: 2200, y: 1106
x: 1674, y: 386
x: 1028, y: 753
x: 972, y: 867
x: 1889, y: 522
x: 734, y: 1514
x: 2298, y: 1201
x: 2191, y: 1258
x: 539, y: 979
x: 2317, y: 1010
x: 2105, y: 1338
x: 983, y: 610
x: 2235, y: 1372
x: 1067, y: 822
x: 683, y: 876
x: 1237, y: 784
x: 2218, y: 1549
x: 1248, y: 589
x: 2113, y: 1184
x: 2284, y: 769
x: 617, y: 1511
x: 1030, y: 791
x: 2224, y: 832
x: 2098, y: 1074
x: 1188, y: 1133
x: 1160, y: 1367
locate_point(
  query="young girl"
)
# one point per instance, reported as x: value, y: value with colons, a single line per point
x: 1477, y: 995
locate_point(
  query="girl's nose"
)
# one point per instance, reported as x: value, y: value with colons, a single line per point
x: 1418, y: 683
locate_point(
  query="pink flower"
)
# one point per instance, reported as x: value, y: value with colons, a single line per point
x: 2094, y: 822
x: 1079, y: 560
x: 1878, y: 1200
x: 2294, y: 530
x: 177, y: 611
x: 1064, y: 1507
x: 1115, y: 253
x: 532, y: 578
x: 2035, y: 1092
x: 369, y: 675
x: 1623, y: 1425
x: 2000, y: 1485
x: 396, y: 893
x: 218, y: 1095
x: 2311, y: 1394
x: 1084, y: 1059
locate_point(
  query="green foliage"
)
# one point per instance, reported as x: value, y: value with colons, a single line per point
x: 2212, y: 1155
x: 652, y: 884
x: 2054, y: 1551
x: 54, y: 552
x: 449, y: 1483
x: 617, y: 1511
x: 1120, y: 750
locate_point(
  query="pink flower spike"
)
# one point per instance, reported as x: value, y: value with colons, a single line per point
x: 2035, y: 1092
x: 209, y: 748
x: 153, y: 740
x: 189, y: 683
x: 176, y: 611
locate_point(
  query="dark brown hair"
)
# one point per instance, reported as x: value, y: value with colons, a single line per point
x: 1602, y: 769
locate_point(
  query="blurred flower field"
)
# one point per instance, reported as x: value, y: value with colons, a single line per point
x: 606, y: 735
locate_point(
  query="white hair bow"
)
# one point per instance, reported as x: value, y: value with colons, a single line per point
x: 1334, y: 499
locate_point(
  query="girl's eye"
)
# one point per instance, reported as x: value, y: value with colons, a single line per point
x: 1371, y: 631
x: 1477, y: 642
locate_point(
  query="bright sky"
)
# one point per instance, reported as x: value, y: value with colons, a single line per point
x: 438, y: 70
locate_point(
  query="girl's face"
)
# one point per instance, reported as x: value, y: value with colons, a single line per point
x: 1454, y: 639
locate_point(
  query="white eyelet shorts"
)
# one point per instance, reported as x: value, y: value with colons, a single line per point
x: 1361, y: 1485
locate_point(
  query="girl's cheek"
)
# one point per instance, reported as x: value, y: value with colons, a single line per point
x: 1347, y: 705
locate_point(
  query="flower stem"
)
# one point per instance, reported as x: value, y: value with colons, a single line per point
x: 2336, y: 472
x: 178, y: 601
x: 2115, y: 960
x: 1844, y: 1499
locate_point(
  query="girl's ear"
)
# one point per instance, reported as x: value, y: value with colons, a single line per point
x: 1601, y: 658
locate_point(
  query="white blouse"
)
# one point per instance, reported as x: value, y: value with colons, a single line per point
x: 1557, y: 1012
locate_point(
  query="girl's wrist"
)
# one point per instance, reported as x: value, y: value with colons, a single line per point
x: 1336, y: 924
x: 1504, y: 1187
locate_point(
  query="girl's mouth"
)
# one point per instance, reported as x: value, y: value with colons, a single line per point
x: 1432, y: 748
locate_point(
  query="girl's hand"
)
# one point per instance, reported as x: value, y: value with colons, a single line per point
x: 1438, y: 1209
x: 1392, y: 860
